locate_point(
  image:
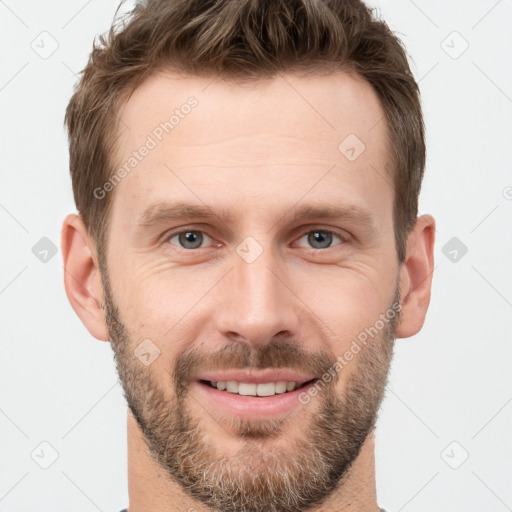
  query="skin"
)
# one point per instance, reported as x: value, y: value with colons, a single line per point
x: 258, y: 152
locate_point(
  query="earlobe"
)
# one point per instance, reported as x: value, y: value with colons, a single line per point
x: 416, y: 277
x: 82, y: 278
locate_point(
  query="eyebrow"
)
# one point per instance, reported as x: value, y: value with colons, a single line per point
x: 161, y: 212
x: 166, y: 212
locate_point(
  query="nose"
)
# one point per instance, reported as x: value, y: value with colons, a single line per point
x: 256, y: 303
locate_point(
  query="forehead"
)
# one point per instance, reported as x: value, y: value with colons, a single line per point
x: 278, y: 131
x: 318, y: 109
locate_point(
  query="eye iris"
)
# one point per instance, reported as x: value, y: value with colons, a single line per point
x: 320, y: 239
x: 190, y: 239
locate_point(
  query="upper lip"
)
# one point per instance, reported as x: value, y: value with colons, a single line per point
x: 257, y: 376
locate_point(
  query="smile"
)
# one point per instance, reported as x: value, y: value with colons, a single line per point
x: 253, y: 389
x: 265, y: 399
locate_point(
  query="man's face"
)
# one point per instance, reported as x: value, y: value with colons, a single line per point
x: 296, y: 259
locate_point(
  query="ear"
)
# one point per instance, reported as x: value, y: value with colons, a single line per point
x: 416, y: 277
x: 82, y: 278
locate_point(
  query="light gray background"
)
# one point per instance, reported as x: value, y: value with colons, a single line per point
x: 450, y: 389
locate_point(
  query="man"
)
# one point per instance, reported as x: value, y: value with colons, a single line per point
x: 247, y: 176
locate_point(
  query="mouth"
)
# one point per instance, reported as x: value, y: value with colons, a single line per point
x: 253, y: 400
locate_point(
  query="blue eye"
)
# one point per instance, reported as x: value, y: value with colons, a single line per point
x: 320, y: 239
x: 317, y: 239
x: 189, y: 239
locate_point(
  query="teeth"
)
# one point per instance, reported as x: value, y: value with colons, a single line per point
x: 247, y: 389
x: 251, y: 389
x: 280, y: 387
x: 266, y: 389
x: 232, y: 386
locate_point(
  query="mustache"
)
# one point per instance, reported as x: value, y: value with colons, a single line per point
x: 237, y: 355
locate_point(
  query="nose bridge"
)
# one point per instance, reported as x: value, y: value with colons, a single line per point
x: 257, y: 305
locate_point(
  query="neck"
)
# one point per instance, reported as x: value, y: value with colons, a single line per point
x: 151, y: 488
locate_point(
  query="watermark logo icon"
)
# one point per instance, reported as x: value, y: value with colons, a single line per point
x: 249, y: 249
x: 44, y: 250
x: 454, y: 249
x: 455, y: 455
x: 146, y: 352
x: 44, y: 455
x: 454, y: 45
x: 351, y: 147
x: 45, y: 45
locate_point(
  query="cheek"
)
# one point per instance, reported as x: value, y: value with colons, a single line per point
x: 346, y: 301
x: 155, y: 290
x: 166, y: 305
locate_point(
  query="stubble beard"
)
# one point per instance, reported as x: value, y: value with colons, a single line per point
x: 297, y: 477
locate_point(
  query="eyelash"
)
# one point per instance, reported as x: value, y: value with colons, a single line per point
x: 169, y: 236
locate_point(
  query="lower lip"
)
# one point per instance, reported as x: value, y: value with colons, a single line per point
x: 252, y: 407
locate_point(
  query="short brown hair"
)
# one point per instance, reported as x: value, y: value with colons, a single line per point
x: 241, y: 40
